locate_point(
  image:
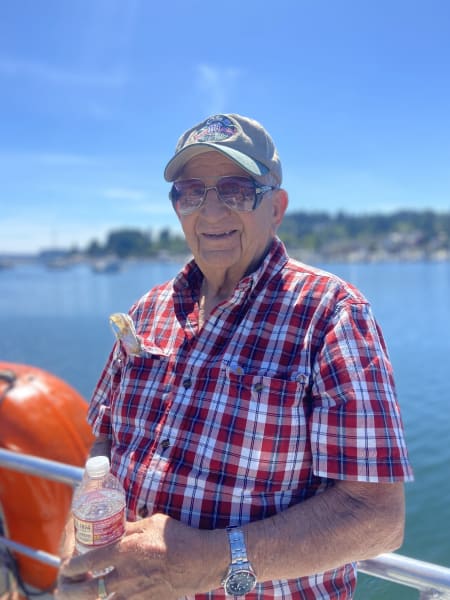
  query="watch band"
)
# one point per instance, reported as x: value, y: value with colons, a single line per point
x: 240, y: 578
x: 237, y: 546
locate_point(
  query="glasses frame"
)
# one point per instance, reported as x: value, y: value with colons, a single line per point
x: 259, y: 191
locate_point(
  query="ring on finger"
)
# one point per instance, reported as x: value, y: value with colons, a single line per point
x: 102, y: 593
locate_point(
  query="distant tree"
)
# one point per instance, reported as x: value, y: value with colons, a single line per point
x: 164, y: 239
x: 128, y: 242
x: 94, y: 249
x: 171, y: 243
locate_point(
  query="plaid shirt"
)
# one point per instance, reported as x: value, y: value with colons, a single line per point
x: 285, y: 388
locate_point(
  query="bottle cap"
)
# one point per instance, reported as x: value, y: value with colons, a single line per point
x: 97, y: 466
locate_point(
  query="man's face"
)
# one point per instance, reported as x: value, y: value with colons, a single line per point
x: 222, y: 239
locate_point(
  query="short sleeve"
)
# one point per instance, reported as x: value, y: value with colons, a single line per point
x: 356, y: 426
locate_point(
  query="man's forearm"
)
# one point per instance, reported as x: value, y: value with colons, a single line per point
x: 348, y: 522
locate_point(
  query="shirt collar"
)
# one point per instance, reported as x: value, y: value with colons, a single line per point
x: 190, y: 277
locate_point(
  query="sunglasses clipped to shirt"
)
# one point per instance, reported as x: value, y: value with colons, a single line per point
x: 238, y: 193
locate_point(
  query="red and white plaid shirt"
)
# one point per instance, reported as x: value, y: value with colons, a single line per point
x: 285, y: 388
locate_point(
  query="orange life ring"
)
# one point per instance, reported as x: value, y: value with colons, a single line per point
x: 40, y: 415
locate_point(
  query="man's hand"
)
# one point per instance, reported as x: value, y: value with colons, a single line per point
x: 158, y: 557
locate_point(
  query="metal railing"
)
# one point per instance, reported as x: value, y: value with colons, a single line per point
x: 432, y: 581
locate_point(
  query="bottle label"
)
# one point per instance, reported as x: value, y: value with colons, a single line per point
x: 101, y: 532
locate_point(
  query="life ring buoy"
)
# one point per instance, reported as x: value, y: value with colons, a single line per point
x: 41, y: 415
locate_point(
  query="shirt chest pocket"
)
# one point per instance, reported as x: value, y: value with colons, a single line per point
x: 262, y: 433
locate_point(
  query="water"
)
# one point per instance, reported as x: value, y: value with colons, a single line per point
x: 58, y: 320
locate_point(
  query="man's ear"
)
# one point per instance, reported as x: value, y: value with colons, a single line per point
x: 280, y: 203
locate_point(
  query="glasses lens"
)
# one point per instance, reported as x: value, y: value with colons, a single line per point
x: 237, y: 192
x: 188, y: 194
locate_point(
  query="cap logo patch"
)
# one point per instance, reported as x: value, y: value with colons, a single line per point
x: 216, y: 129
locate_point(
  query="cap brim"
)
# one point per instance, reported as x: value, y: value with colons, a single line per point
x: 175, y: 165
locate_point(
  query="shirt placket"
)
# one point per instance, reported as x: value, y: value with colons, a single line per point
x: 179, y: 386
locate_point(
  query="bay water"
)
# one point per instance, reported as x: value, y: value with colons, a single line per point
x: 58, y: 320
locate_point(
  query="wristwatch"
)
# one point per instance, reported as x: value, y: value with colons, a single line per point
x: 240, y: 578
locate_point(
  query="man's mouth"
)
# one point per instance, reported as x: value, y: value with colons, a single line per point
x: 221, y: 235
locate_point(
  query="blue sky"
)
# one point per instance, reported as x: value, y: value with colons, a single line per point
x: 94, y: 94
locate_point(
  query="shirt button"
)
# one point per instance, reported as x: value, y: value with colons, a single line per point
x: 143, y: 512
x: 258, y: 387
x: 187, y: 383
x: 165, y: 444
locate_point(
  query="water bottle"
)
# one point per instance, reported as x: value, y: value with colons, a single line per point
x: 98, y: 508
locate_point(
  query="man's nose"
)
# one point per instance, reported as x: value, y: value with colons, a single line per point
x: 212, y: 204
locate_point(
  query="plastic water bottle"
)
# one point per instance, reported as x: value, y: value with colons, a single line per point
x: 98, y: 508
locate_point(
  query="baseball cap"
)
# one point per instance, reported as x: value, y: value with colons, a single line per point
x: 241, y: 139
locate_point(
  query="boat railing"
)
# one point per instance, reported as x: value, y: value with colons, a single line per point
x: 431, y: 580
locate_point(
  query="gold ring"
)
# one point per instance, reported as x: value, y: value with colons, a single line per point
x: 102, y: 593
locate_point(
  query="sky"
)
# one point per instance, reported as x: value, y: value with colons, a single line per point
x: 95, y: 93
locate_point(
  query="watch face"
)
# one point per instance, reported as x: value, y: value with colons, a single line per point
x: 240, y: 583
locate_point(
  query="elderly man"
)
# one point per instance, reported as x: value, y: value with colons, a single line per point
x: 256, y: 429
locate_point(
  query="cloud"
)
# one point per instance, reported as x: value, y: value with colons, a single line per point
x: 62, y: 159
x: 126, y: 194
x: 216, y: 85
x: 140, y: 201
x: 351, y: 190
x: 50, y: 74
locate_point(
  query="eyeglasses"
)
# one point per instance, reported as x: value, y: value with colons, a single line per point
x: 238, y: 193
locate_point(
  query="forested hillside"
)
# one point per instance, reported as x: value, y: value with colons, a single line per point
x: 404, y: 234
